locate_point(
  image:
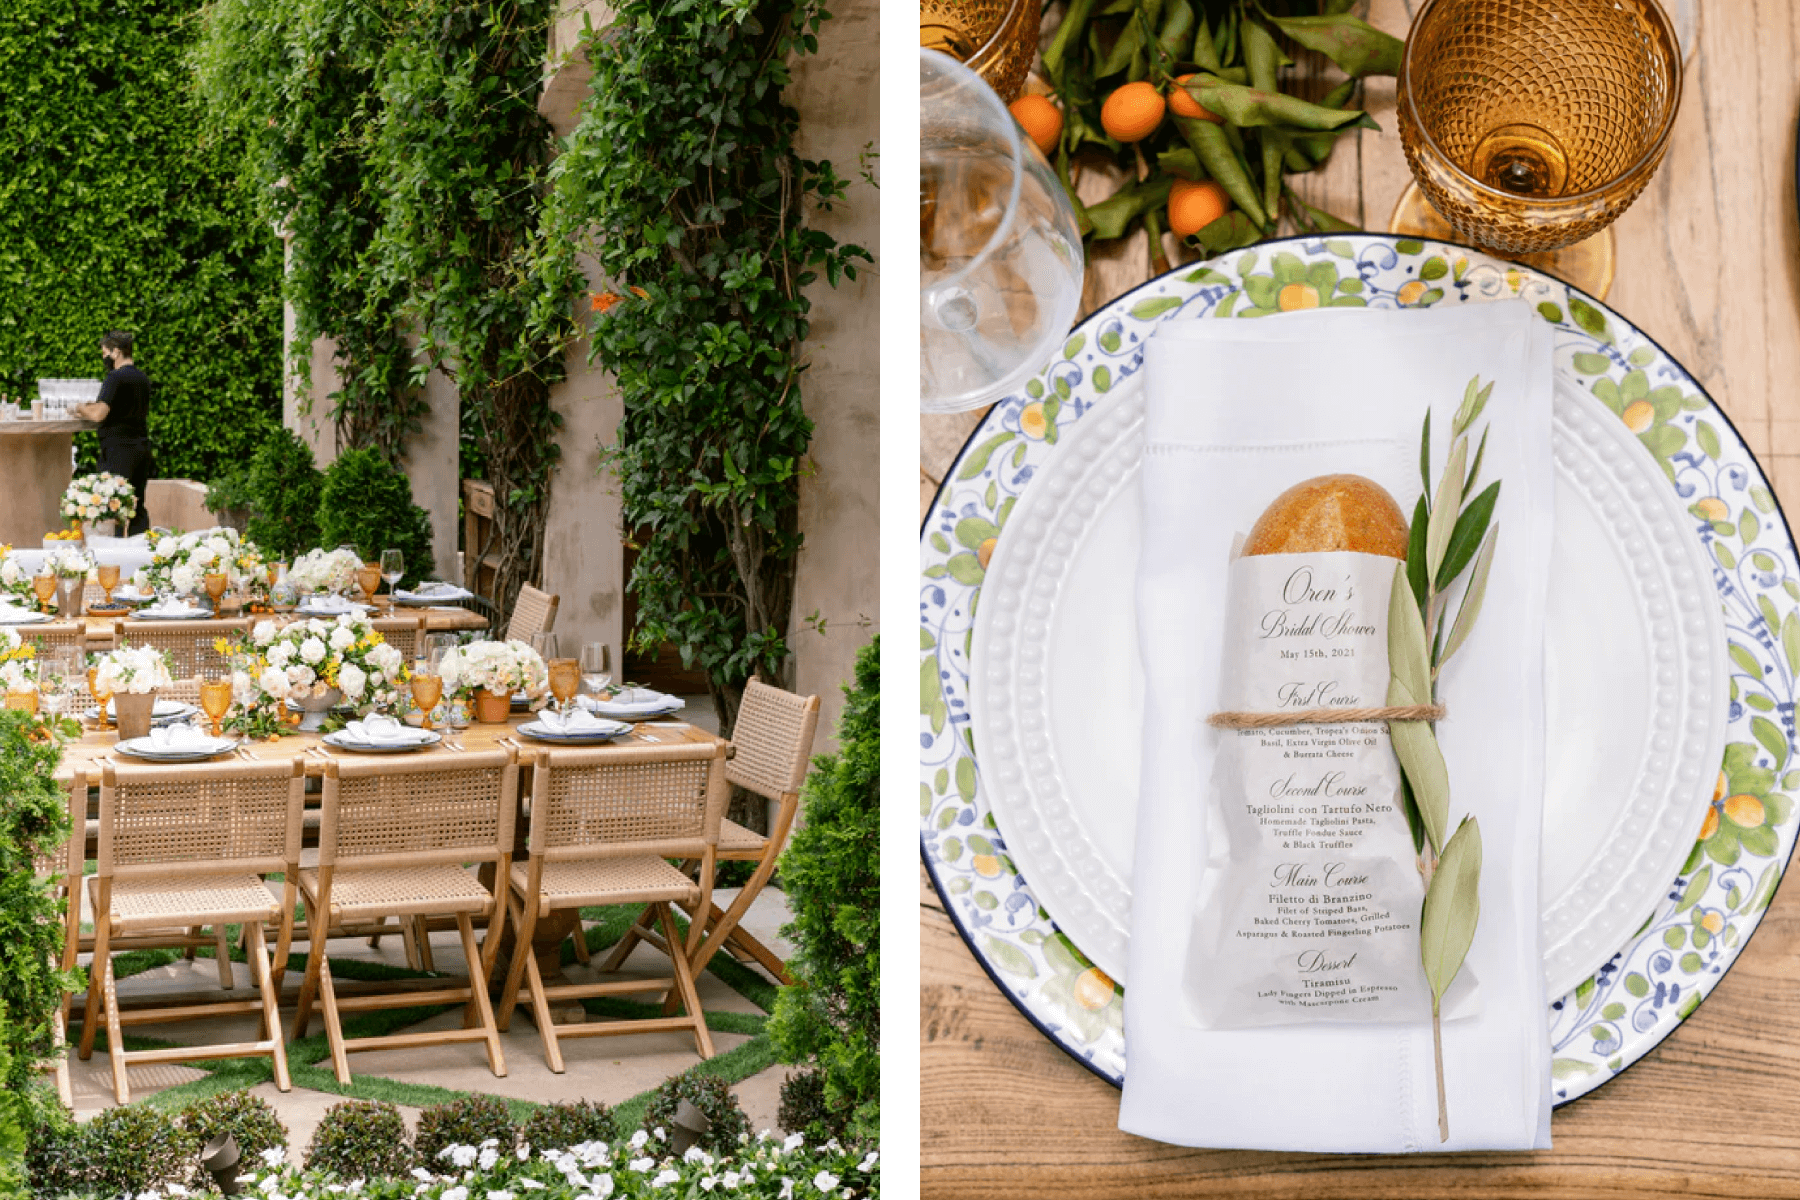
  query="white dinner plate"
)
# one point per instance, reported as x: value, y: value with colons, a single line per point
x: 342, y: 740
x: 542, y: 733
x: 147, y: 749
x: 163, y: 712
x: 14, y: 616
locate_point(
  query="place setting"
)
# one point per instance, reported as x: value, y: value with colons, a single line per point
x: 1310, y: 842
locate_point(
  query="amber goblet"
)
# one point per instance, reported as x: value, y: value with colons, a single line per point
x: 427, y: 689
x: 565, y: 681
x: 368, y: 578
x: 44, y: 587
x: 997, y: 39
x: 215, y: 584
x: 215, y: 701
x: 101, y: 698
x: 1532, y: 124
x: 108, y: 575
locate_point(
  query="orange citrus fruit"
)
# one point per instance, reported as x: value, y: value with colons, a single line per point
x: 1041, y: 120
x: 1410, y: 291
x: 1710, y: 826
x: 1296, y: 296
x: 984, y: 553
x: 1712, y: 921
x: 1719, y: 788
x: 1133, y: 112
x: 1713, y: 509
x: 986, y: 865
x: 1744, y: 810
x: 1093, y: 989
x: 1031, y: 420
x: 1638, y: 415
x: 1183, y: 104
x: 1194, y: 206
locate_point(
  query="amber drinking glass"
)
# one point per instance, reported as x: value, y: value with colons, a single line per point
x: 565, y: 681
x: 1531, y: 124
x: 368, y: 578
x: 108, y: 575
x: 215, y: 701
x: 44, y: 586
x: 100, y: 698
x: 996, y: 39
x: 427, y: 689
x: 215, y: 585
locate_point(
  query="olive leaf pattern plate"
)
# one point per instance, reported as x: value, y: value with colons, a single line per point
x: 1714, y: 902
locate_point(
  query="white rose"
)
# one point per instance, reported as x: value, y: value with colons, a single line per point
x: 280, y: 653
x: 264, y: 633
x: 202, y: 557
x: 183, y: 579
x: 351, y: 679
x: 274, y: 681
x: 342, y: 638
x: 301, y: 675
x: 312, y: 650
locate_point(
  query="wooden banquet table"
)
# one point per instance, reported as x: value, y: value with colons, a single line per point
x: 102, y: 630
x: 1707, y: 266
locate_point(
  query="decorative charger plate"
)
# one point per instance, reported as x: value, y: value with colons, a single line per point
x: 538, y: 731
x: 342, y: 740
x: 1659, y: 972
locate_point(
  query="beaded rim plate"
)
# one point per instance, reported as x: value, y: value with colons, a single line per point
x: 1714, y: 903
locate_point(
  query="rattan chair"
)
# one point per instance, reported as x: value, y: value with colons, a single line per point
x: 186, y: 846
x: 533, y: 612
x: 604, y: 822
x: 394, y: 836
x: 190, y: 645
x: 772, y: 743
x: 405, y: 632
x: 60, y: 870
x: 54, y: 633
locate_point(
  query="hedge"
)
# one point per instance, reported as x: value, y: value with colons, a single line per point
x: 113, y: 214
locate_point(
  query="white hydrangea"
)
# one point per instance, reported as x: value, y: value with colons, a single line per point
x: 132, y: 671
x: 351, y: 681
x: 312, y: 650
x: 264, y: 633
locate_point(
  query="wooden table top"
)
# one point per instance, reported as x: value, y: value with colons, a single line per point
x: 438, y: 619
x: 1707, y: 266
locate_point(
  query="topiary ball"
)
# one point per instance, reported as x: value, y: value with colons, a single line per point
x: 712, y: 1096
x: 468, y: 1121
x: 136, y: 1148
x: 559, y: 1126
x: 250, y: 1120
x: 360, y: 1139
x: 58, y: 1154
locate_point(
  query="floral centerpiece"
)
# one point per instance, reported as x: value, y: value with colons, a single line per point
x: 492, y: 672
x: 316, y: 664
x: 180, y: 562
x: 99, y: 497
x: 15, y: 580
x: 18, y: 662
x: 132, y: 675
x: 69, y: 562
x: 331, y: 571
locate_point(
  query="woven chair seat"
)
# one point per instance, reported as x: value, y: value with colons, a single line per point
x: 379, y: 891
x: 189, y: 899
x: 735, y: 840
x: 609, y: 881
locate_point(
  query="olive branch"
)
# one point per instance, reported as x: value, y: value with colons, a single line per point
x: 1449, y: 534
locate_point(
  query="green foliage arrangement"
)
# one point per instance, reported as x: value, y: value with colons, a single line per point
x: 116, y: 215
x: 712, y: 1096
x: 367, y: 502
x: 803, y: 1108
x: 283, y: 489
x: 57, y: 1159
x: 466, y: 1121
x: 295, y: 82
x: 249, y: 1119
x: 831, y: 871
x: 34, y: 823
x: 682, y: 181
x: 569, y: 1124
x: 134, y: 1148
x: 360, y: 1139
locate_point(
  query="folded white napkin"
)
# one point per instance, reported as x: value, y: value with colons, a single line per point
x: 380, y: 730
x: 181, y: 737
x: 1236, y: 412
x: 333, y: 605
x: 579, y: 721
x: 434, y: 590
x: 632, y: 702
x: 172, y: 609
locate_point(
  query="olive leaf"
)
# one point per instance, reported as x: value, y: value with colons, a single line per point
x: 1465, y: 537
x: 1452, y: 908
x: 1352, y: 43
x: 1475, y: 398
x: 1246, y: 107
x: 1408, y: 652
x: 1475, y: 467
x: 1472, y: 597
x: 1415, y: 553
x: 1417, y: 749
x: 1425, y: 459
x: 1446, y: 508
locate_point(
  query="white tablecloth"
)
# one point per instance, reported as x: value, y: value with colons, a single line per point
x: 129, y: 553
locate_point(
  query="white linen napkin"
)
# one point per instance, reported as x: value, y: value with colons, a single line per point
x: 170, y: 610
x: 378, y: 730
x: 1236, y: 412
x: 634, y: 702
x: 436, y: 590
x: 580, y: 721
x: 330, y: 605
x: 182, y: 737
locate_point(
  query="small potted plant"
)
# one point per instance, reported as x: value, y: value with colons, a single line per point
x: 493, y: 671
x: 70, y: 565
x: 132, y: 675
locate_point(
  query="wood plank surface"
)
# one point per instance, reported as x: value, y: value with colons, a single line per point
x: 1707, y: 267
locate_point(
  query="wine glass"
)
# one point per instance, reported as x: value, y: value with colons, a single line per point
x: 565, y: 681
x: 596, y: 666
x: 393, y: 566
x: 56, y: 667
x: 216, y: 582
x: 427, y: 689
x: 1532, y: 124
x: 215, y: 700
x: 368, y: 578
x: 436, y: 646
x: 101, y: 697
x: 44, y: 586
x: 108, y: 576
x: 1000, y: 259
x: 546, y: 645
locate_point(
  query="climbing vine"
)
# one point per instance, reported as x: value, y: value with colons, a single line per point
x: 682, y: 181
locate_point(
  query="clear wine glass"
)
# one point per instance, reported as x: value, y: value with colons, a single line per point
x: 596, y: 666
x: 1000, y: 258
x: 393, y: 566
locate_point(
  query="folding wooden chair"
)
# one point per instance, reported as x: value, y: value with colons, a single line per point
x: 533, y: 612
x: 604, y: 822
x: 394, y: 838
x: 190, y: 645
x: 61, y: 869
x: 772, y: 744
x: 183, y: 846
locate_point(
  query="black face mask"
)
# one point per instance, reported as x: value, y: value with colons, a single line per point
x: 107, y: 361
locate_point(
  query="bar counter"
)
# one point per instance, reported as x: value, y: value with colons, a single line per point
x: 35, y: 458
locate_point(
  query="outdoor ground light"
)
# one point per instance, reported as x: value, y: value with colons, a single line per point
x: 220, y: 1158
x: 690, y: 1124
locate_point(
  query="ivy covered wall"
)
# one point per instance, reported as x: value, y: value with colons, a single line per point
x: 115, y: 214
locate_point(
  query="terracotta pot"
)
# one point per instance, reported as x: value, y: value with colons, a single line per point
x: 134, y: 709
x: 492, y: 708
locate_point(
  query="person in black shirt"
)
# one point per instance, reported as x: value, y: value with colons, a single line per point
x: 123, y: 411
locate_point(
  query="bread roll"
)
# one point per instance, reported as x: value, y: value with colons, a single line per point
x: 1331, y: 512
